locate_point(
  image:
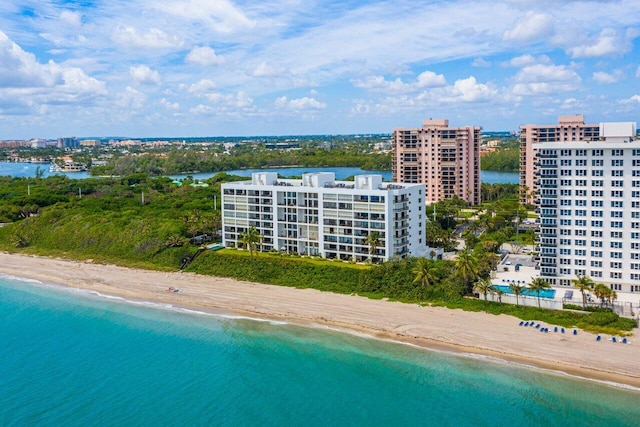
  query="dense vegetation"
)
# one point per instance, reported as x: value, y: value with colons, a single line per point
x: 242, y: 156
x: 504, y: 160
x: 143, y: 222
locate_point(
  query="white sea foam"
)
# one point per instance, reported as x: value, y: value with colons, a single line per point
x: 19, y: 279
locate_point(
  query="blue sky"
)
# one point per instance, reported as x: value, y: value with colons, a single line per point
x: 280, y: 67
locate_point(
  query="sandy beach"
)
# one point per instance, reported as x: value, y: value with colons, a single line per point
x: 432, y: 327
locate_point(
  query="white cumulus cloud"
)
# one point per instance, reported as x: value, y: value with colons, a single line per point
x: 606, y: 78
x: 142, y: 74
x: 304, y: 103
x: 532, y: 26
x: 204, y: 55
x: 608, y: 42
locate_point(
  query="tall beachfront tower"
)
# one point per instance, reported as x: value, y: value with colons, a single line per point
x: 569, y: 128
x: 589, y: 202
x: 446, y: 159
x: 317, y: 215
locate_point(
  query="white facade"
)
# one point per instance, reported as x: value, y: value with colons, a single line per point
x: 318, y: 215
x: 588, y: 196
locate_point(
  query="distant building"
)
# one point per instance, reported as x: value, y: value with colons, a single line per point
x: 68, y: 142
x: 569, y: 128
x: 317, y: 215
x: 588, y: 197
x: 282, y: 145
x: 89, y: 143
x: 446, y: 159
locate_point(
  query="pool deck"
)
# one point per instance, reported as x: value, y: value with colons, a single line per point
x: 528, y: 272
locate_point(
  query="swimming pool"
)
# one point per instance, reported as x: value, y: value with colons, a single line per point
x: 545, y: 293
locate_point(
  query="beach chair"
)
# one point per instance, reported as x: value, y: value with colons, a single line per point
x: 538, y: 326
x: 613, y: 339
x: 624, y: 340
x: 562, y: 330
x: 521, y: 323
x: 526, y: 323
x: 575, y: 332
x: 598, y: 338
x: 555, y: 329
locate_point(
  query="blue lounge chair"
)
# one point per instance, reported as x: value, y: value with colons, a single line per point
x: 624, y: 340
x: 546, y: 330
x: 598, y: 338
x: 555, y: 329
x: 562, y: 330
x: 613, y: 339
x: 538, y: 326
x: 575, y: 332
x: 521, y: 323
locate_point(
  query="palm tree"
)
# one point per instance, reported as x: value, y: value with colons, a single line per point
x: 602, y: 292
x: 539, y: 284
x: 373, y: 240
x: 499, y: 292
x: 467, y: 267
x: 612, y: 297
x: 424, y: 271
x: 584, y: 284
x: 251, y: 239
x: 517, y: 290
x: 484, y: 286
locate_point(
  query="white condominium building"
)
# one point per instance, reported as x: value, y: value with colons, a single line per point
x: 588, y: 196
x: 318, y: 215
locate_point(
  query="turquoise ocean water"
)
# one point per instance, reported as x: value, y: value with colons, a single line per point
x: 76, y: 359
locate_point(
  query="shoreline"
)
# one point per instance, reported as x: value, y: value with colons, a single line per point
x: 436, y: 328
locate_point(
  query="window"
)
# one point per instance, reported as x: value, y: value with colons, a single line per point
x: 581, y: 162
x: 596, y: 244
x: 617, y: 193
x: 616, y: 152
x: 581, y: 193
x: 566, y: 222
x: 581, y: 172
x: 616, y: 214
x: 581, y: 212
x: 616, y: 264
x: 597, y: 162
x: 616, y: 203
x: 597, y: 153
x: 615, y: 275
x: 581, y: 262
x: 617, y: 162
x: 616, y: 224
x: 596, y: 273
x: 581, y: 182
x: 579, y: 222
x: 596, y: 233
x: 565, y: 192
x: 580, y: 252
x: 581, y: 203
x: 596, y: 263
x: 580, y: 232
x: 597, y: 193
x: 635, y: 245
x: 566, y: 242
x: 599, y: 224
x: 617, y: 172
x: 616, y: 255
x: 565, y: 202
x: 581, y: 153
x: 597, y: 183
x: 596, y: 203
x: 596, y: 254
x: 565, y: 162
x: 565, y: 172
x: 616, y: 234
x: 617, y: 183
x: 615, y: 245
x: 597, y: 172
x: 565, y: 251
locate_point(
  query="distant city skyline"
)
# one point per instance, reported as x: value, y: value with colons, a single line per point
x: 196, y: 68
